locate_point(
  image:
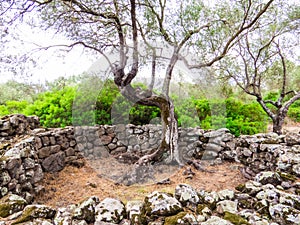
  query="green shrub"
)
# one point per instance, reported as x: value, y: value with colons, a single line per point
x: 12, y: 107
x: 54, y: 108
x: 3, y: 110
x: 105, y: 100
x: 238, y: 117
x: 294, y: 112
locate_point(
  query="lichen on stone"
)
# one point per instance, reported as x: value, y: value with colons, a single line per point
x: 235, y: 219
x: 173, y: 220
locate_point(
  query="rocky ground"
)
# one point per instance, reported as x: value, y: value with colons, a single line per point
x: 261, y: 201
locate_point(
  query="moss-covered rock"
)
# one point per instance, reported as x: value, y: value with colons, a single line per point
x: 227, y: 206
x: 284, y: 214
x: 187, y: 195
x: 235, y: 219
x: 174, y: 220
x: 241, y: 188
x: 64, y: 215
x: 161, y: 204
x: 11, y: 204
x: 4, y: 178
x: 134, y: 212
x: 86, y: 209
x: 31, y: 212
x: 268, y: 177
x: 39, y: 222
x: 287, y: 176
x: 289, y: 199
x: 209, y: 198
x: 226, y: 194
x: 250, y: 187
x: 215, y: 220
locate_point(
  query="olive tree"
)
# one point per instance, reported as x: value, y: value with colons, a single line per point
x: 267, y: 55
x: 198, y: 34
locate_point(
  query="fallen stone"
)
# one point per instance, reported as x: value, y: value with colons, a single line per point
x: 86, y: 210
x: 227, y: 206
x: 215, y: 220
x: 32, y: 212
x: 11, y: 204
x: 186, y: 195
x: 54, y: 163
x: 109, y: 210
x: 64, y: 215
x: 268, y: 178
x: 161, y: 204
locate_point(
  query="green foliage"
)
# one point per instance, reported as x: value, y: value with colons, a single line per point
x: 186, y: 113
x: 105, y: 100
x: 12, y: 107
x: 238, y: 117
x: 54, y: 108
x: 16, y: 106
x: 294, y: 111
x: 3, y: 110
x: 140, y: 115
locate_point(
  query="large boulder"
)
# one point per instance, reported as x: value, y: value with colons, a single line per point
x: 109, y: 210
x: 32, y: 212
x: 215, y: 220
x: 186, y: 195
x: 161, y: 204
x: 86, y: 210
x: 11, y: 204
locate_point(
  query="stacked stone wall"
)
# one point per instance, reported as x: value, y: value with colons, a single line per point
x: 18, y: 124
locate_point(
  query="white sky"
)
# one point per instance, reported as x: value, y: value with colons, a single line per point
x: 51, y: 63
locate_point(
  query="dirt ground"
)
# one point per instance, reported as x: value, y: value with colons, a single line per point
x: 288, y: 126
x: 73, y: 185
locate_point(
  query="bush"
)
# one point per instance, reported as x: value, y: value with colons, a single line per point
x: 294, y: 111
x: 105, y: 100
x: 54, y: 108
x: 239, y: 118
x: 12, y: 107
x: 3, y: 110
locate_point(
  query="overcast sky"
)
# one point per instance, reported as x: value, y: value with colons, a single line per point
x: 51, y: 63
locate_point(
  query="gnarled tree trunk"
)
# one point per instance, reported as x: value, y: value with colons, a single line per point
x: 169, y: 138
x: 277, y: 124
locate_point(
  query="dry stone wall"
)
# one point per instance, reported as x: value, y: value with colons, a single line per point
x: 13, y: 125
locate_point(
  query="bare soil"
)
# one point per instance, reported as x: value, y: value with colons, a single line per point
x: 73, y: 185
x: 288, y: 126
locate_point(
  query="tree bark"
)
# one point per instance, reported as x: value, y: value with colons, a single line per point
x: 278, y: 123
x: 169, y: 137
